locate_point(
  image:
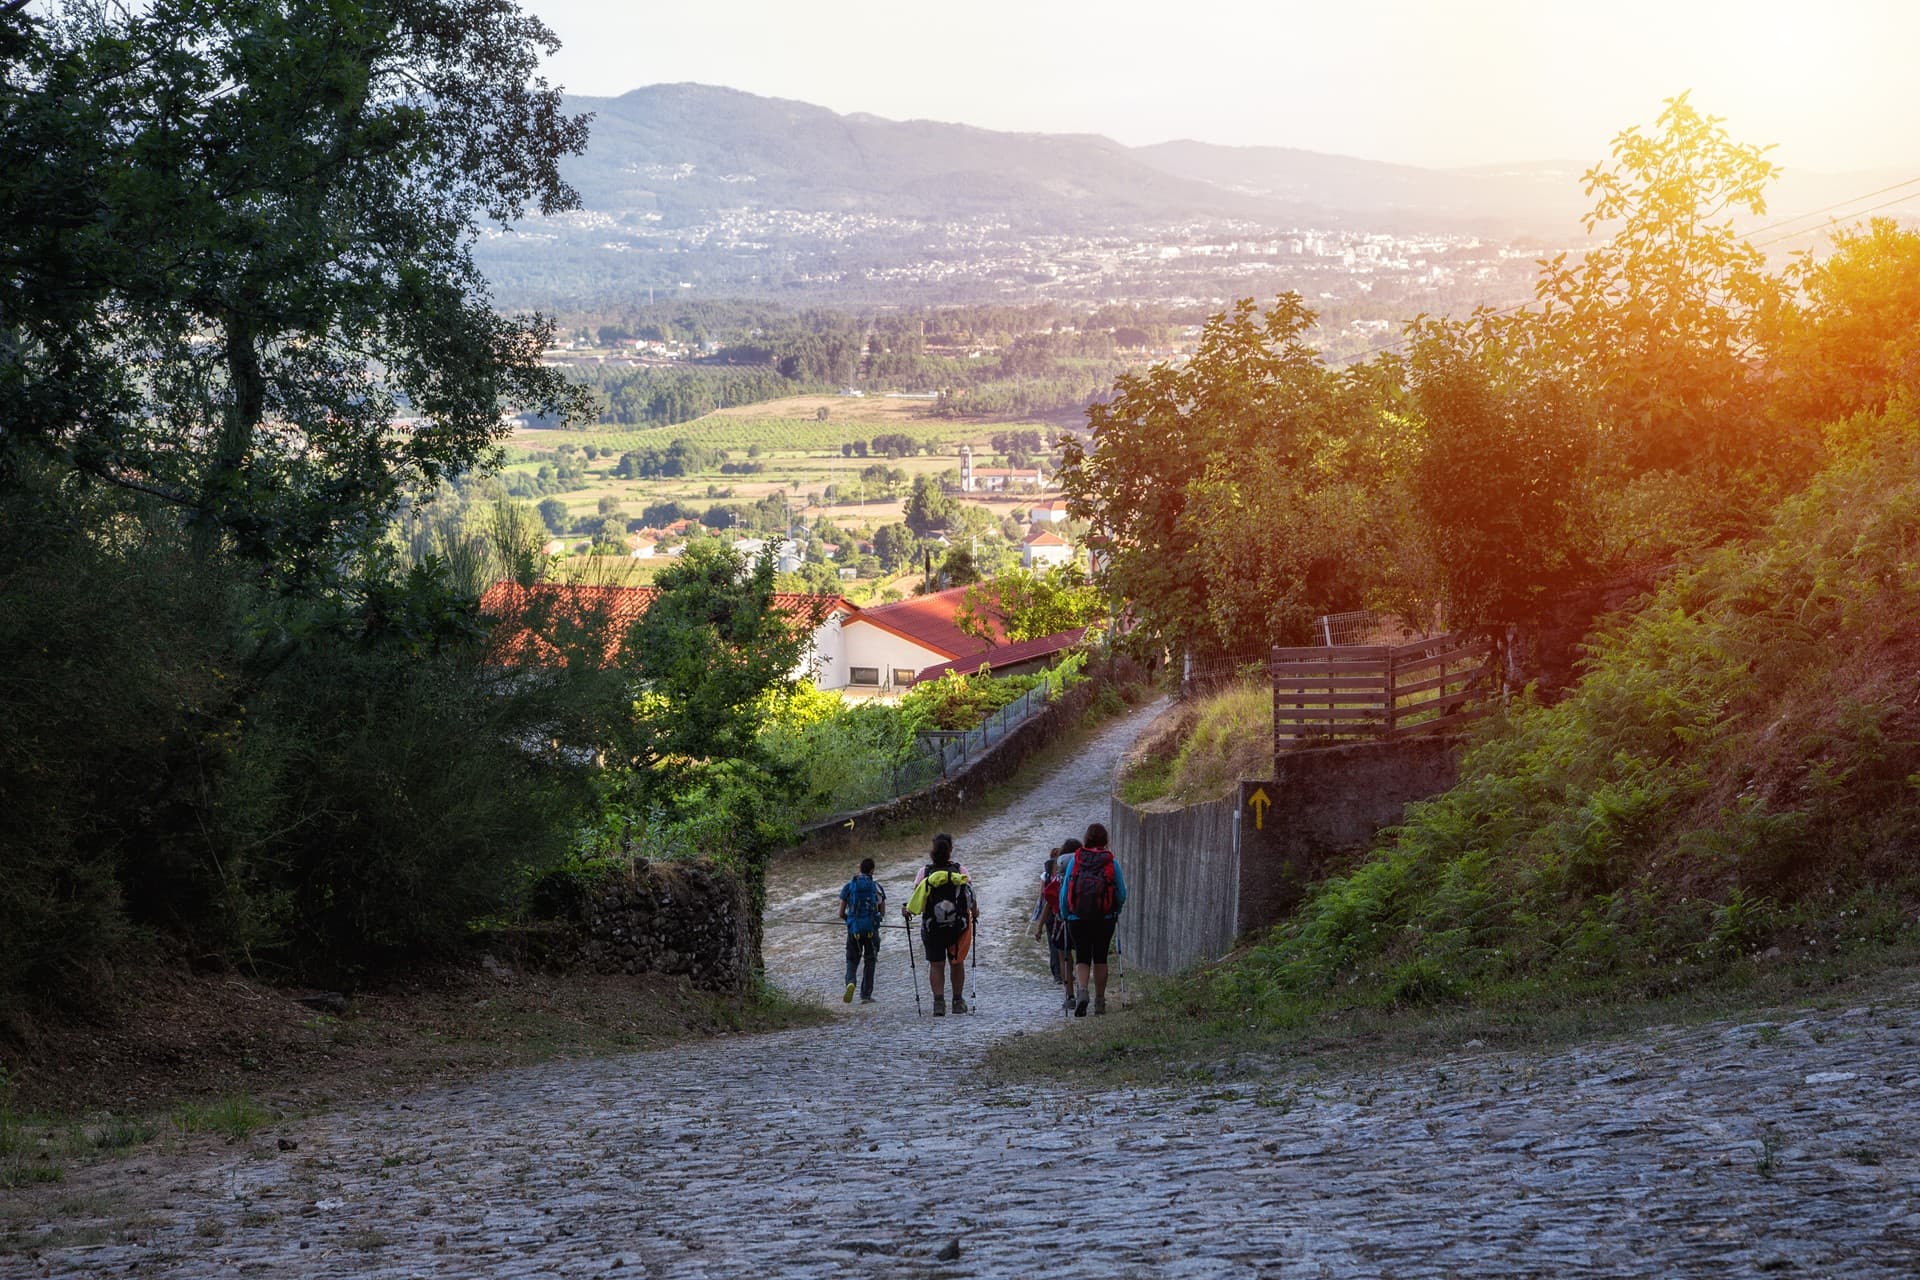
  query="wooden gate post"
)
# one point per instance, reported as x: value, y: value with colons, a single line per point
x: 1393, y: 696
x: 1273, y: 683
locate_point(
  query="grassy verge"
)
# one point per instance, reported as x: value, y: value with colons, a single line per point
x: 1177, y: 1032
x: 1204, y: 749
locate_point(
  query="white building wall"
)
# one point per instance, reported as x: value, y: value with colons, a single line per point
x: 1032, y: 556
x: 869, y: 646
x: 826, y: 662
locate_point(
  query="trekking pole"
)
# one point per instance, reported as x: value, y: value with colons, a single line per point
x: 1121, y: 956
x: 973, y: 965
x: 913, y: 970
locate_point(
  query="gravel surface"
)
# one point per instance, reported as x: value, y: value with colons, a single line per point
x: 867, y: 1148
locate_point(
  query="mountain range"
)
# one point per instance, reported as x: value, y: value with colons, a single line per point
x: 685, y: 150
x: 688, y: 186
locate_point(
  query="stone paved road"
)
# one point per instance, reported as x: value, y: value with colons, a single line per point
x: 862, y: 1149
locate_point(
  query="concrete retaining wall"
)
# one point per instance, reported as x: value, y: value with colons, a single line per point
x: 1324, y: 805
x: 1182, y: 884
x: 1197, y: 879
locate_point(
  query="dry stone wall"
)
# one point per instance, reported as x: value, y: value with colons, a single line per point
x: 671, y: 918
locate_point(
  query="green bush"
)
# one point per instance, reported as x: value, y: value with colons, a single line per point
x: 388, y: 802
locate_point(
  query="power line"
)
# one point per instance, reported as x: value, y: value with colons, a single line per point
x: 1858, y: 213
x: 1814, y: 213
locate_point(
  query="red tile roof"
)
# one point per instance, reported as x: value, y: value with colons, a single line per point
x: 611, y: 609
x: 1006, y: 655
x: 1038, y: 537
x: 928, y: 620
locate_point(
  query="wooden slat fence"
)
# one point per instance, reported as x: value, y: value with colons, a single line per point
x: 1333, y: 693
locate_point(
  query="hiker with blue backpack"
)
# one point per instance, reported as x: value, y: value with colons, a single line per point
x: 863, y: 905
x: 948, y: 911
x: 1092, y: 894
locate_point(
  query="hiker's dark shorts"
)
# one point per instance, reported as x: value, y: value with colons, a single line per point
x: 1091, y: 938
x: 946, y: 945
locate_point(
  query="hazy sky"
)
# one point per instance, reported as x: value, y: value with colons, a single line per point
x: 1451, y: 82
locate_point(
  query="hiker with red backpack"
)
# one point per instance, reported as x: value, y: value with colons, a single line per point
x: 1092, y: 895
x: 863, y: 905
x: 1048, y: 921
x: 948, y: 911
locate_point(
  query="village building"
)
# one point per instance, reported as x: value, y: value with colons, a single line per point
x: 997, y: 479
x: 1044, y: 549
x: 879, y: 651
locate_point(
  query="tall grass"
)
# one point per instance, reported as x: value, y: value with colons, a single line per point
x: 1227, y: 737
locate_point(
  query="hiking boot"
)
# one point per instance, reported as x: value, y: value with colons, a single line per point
x: 847, y: 998
x: 1080, y: 1003
x: 1066, y: 1002
x: 939, y: 1006
x: 866, y: 999
x: 959, y: 1004
x: 1099, y: 1004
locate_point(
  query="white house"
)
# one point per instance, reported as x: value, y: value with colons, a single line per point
x: 885, y: 647
x: 1044, y: 549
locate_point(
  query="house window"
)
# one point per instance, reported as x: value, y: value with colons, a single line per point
x: 864, y: 675
x: 902, y: 676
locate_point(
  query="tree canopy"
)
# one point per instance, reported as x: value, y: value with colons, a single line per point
x: 235, y: 247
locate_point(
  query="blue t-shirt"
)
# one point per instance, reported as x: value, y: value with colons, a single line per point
x: 1066, y: 878
x: 858, y: 918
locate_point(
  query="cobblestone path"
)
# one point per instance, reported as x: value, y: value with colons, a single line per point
x: 864, y: 1148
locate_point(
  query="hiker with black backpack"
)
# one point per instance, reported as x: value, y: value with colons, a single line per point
x: 1092, y: 895
x: 863, y: 905
x: 948, y: 911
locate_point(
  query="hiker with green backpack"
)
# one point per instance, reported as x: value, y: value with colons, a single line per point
x: 863, y: 905
x: 948, y: 911
x: 1092, y: 895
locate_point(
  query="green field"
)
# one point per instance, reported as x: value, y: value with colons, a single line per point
x: 791, y: 425
x: 773, y: 435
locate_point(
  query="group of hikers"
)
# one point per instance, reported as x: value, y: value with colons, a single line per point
x: 1082, y: 893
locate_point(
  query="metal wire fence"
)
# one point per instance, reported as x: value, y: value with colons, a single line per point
x: 943, y: 753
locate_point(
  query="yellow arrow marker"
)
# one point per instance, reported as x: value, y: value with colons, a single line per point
x: 1258, y: 802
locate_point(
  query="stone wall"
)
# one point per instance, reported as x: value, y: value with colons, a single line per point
x: 955, y: 794
x: 1182, y: 884
x: 671, y: 918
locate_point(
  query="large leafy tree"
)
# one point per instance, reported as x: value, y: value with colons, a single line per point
x: 1502, y: 489
x: 711, y: 646
x: 1661, y: 324
x: 1233, y: 491
x: 235, y: 247
x: 1853, y: 338
x: 1030, y: 604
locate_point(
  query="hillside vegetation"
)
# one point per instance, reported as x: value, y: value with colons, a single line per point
x: 1735, y: 779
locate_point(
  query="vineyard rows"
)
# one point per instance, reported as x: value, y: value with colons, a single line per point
x: 793, y: 435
